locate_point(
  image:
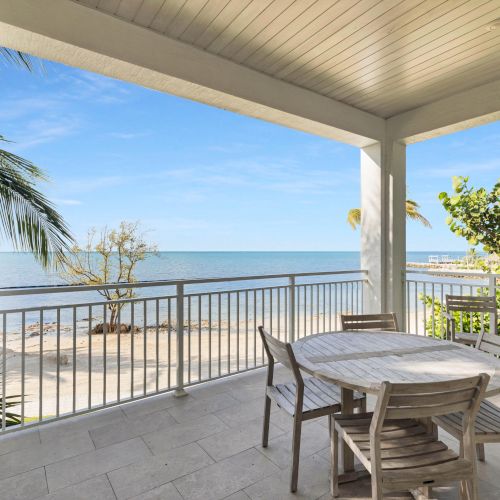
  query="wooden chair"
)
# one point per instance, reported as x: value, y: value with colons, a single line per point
x: 468, y: 305
x: 398, y: 445
x: 304, y: 398
x: 487, y: 429
x: 385, y: 322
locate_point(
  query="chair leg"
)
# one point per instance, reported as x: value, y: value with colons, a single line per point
x: 468, y: 489
x: 267, y: 417
x: 480, y: 452
x: 334, y: 455
x: 297, y: 428
x: 377, y: 492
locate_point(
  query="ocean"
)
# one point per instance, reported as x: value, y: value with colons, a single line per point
x: 21, y: 270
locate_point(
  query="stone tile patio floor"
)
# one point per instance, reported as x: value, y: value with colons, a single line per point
x: 204, y: 446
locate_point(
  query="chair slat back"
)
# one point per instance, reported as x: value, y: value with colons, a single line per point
x: 466, y: 303
x: 488, y: 342
x: 280, y: 352
x: 424, y: 400
x: 384, y: 322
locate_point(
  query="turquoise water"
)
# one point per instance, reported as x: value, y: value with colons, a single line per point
x: 21, y: 270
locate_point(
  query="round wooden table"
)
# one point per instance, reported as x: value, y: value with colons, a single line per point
x: 361, y: 361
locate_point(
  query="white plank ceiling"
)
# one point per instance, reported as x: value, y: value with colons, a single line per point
x: 381, y: 56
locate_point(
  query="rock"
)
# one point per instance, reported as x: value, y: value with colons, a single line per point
x: 122, y: 328
x: 51, y: 357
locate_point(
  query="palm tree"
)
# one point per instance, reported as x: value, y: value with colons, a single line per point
x: 412, y: 212
x: 27, y: 218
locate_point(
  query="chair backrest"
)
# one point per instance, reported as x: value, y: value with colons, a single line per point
x: 280, y: 352
x: 467, y: 303
x: 488, y: 343
x: 385, y: 322
x: 429, y: 399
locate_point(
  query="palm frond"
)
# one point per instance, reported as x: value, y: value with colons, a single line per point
x: 27, y: 218
x: 413, y: 213
x: 354, y: 217
x: 17, y: 58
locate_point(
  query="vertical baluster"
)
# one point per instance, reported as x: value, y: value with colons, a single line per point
x: 199, y: 337
x: 132, y: 347
x: 492, y: 291
x: 425, y: 308
x: 23, y: 365
x: 246, y: 329
x: 408, y: 308
x: 324, y: 307
x: 119, y: 353
x: 352, y: 297
x: 145, y: 345
x: 336, y: 307
x: 278, y: 308
x: 311, y: 316
x: 461, y: 312
x: 4, y: 370
x: 441, y: 310
x: 219, y: 354
x: 263, y: 324
x: 416, y: 308
x: 255, y: 327
x: 180, y: 341
x: 169, y: 341
x: 317, y: 308
x: 229, y: 332
x: 189, y: 339
x: 305, y: 310
x: 157, y: 344
x: 238, y: 331
x: 471, y: 323
x: 341, y: 297
x: 209, y: 335
x: 433, y: 310
x: 40, y: 377
x: 89, y: 363
x: 329, y: 307
x: 58, y: 361
x: 74, y: 359
x: 296, y: 324
x: 104, y: 355
x: 285, y: 298
x: 271, y: 312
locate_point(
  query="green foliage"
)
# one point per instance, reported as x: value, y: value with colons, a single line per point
x: 474, y: 214
x: 412, y: 213
x: 109, y: 257
x: 11, y: 418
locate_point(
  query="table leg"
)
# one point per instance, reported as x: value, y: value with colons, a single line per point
x: 347, y: 409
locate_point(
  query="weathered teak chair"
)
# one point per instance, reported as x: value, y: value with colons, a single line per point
x: 304, y: 398
x: 488, y: 417
x: 385, y: 322
x: 467, y: 305
x: 401, y: 452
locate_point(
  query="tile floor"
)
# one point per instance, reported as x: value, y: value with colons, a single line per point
x: 204, y: 446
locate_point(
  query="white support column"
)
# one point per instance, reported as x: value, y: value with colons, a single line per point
x: 383, y: 226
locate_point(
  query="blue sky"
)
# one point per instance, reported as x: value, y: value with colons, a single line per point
x: 199, y: 178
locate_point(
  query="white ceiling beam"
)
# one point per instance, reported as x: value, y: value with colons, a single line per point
x: 470, y: 108
x: 67, y: 32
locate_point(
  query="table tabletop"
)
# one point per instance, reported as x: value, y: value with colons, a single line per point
x: 363, y: 360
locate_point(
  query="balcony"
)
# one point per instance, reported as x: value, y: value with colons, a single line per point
x: 113, y: 425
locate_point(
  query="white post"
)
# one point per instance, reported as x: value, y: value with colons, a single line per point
x: 179, y: 391
x: 383, y: 226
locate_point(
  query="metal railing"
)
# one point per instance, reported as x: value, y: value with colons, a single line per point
x: 64, y: 359
x: 426, y: 292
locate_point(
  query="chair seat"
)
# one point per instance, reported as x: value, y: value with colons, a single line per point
x: 318, y: 395
x: 487, y: 423
x: 466, y: 338
x: 408, y: 449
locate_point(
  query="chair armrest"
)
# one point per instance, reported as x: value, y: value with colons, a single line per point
x: 448, y: 316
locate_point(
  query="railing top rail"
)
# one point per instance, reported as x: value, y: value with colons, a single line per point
x: 460, y: 273
x: 44, y: 289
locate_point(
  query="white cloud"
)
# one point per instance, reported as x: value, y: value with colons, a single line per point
x: 128, y: 135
